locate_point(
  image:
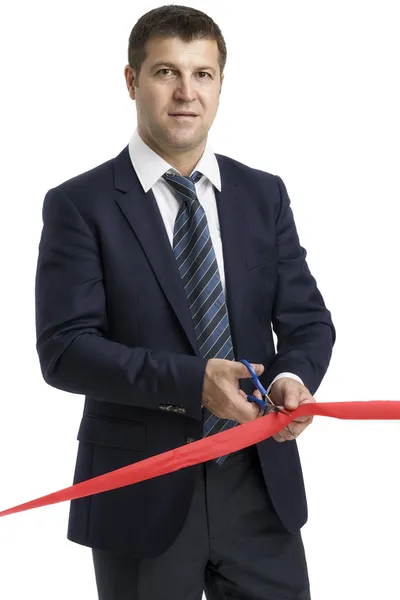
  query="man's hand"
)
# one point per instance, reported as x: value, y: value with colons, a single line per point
x: 289, y: 393
x: 221, y: 394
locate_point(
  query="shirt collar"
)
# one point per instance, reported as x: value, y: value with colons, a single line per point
x: 150, y: 167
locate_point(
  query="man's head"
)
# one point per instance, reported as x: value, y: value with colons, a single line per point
x: 176, y: 59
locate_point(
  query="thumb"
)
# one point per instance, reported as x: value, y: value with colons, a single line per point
x: 242, y: 372
x: 291, y: 401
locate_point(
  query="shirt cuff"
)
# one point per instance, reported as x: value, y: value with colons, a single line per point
x: 291, y: 375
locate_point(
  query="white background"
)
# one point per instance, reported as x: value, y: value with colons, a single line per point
x: 311, y: 94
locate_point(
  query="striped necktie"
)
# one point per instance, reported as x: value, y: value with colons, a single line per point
x: 198, y: 268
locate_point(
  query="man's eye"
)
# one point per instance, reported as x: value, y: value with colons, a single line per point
x: 168, y: 70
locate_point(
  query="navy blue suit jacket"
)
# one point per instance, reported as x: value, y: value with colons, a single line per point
x: 113, y: 324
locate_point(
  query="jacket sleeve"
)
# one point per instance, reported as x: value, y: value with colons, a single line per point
x: 302, y: 323
x: 71, y: 326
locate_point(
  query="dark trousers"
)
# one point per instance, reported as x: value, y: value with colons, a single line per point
x: 232, y: 546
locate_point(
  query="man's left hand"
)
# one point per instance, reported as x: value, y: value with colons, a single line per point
x: 289, y: 393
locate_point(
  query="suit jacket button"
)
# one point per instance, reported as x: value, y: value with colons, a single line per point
x: 189, y: 440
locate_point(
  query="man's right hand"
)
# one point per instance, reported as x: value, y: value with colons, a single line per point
x: 221, y: 394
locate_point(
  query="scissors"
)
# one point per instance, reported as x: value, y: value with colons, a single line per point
x: 266, y: 405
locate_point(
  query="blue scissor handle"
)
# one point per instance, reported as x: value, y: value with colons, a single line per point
x: 256, y: 381
x: 261, y: 403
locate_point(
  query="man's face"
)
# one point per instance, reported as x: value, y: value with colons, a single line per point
x: 177, y: 76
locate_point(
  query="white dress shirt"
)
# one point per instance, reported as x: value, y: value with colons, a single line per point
x: 150, y: 168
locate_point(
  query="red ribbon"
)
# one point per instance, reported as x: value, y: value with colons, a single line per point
x: 212, y: 447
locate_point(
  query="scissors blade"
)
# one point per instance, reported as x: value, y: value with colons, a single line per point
x: 276, y: 407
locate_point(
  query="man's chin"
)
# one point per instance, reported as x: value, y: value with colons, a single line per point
x: 183, y: 140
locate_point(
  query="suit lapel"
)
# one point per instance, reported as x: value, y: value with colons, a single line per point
x: 232, y: 218
x: 141, y: 211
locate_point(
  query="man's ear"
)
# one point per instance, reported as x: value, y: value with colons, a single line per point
x: 130, y: 78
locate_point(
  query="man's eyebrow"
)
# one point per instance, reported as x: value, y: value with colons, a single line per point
x: 170, y: 65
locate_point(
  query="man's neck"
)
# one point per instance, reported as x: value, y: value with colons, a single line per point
x: 184, y: 162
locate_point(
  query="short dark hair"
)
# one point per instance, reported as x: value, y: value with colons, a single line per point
x: 171, y: 20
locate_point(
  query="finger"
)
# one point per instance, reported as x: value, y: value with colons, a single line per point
x: 243, y: 394
x: 256, y: 393
x: 253, y: 412
x: 256, y: 412
x: 308, y: 400
x: 290, y: 432
x: 294, y: 430
x: 286, y: 435
x: 307, y: 420
x: 291, y: 401
x: 248, y: 411
x: 242, y: 372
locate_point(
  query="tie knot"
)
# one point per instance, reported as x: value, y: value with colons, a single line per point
x: 174, y: 177
x: 184, y: 186
x: 196, y: 176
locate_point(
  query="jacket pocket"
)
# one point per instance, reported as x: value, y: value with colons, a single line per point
x: 128, y: 435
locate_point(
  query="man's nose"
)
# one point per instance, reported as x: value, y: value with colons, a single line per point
x: 185, y: 89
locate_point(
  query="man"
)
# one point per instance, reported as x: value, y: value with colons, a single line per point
x: 157, y: 272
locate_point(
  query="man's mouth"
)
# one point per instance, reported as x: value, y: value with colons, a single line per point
x: 179, y: 114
